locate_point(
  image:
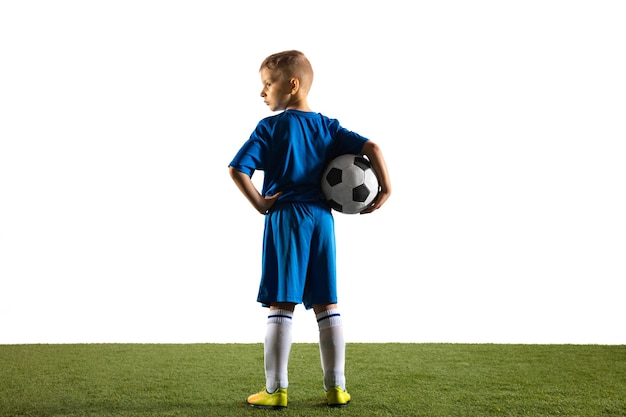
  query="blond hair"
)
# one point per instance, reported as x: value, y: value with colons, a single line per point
x: 290, y: 64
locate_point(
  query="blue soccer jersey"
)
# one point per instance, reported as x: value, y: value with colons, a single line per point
x: 292, y: 148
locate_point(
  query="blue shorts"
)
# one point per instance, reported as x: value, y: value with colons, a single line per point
x: 299, y: 257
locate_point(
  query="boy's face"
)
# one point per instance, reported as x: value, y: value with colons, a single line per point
x: 277, y: 91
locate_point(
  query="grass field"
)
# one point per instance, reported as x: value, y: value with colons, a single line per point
x: 397, y: 380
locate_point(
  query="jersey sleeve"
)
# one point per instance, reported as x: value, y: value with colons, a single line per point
x: 251, y: 156
x: 346, y: 141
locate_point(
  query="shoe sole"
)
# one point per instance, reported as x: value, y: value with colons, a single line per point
x: 268, y: 407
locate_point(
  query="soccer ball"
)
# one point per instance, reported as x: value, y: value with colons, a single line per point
x: 349, y: 183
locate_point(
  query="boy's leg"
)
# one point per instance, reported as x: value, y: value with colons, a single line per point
x: 332, y: 353
x: 276, y: 352
x: 277, y: 346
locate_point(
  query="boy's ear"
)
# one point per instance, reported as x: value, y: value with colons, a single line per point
x: 295, y: 85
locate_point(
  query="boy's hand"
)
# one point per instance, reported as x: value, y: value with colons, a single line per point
x: 244, y: 183
x: 377, y: 203
x: 268, y: 202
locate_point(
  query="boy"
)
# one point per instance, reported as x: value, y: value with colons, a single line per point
x: 292, y: 149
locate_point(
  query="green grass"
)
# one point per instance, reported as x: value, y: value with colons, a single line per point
x: 398, y: 380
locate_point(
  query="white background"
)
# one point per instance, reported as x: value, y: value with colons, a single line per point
x: 503, y: 125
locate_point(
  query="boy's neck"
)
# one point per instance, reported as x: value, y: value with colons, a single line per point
x: 300, y: 105
x: 302, y: 109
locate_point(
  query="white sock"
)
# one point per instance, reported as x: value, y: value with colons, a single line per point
x: 332, y: 348
x: 277, y: 347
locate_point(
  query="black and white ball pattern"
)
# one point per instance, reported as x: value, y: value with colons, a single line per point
x: 349, y: 183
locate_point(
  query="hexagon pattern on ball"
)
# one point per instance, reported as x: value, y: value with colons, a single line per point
x: 349, y: 183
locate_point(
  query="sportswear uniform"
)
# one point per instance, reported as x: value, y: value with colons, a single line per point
x: 292, y: 148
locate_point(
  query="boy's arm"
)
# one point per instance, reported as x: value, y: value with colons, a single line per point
x: 375, y: 155
x: 245, y: 185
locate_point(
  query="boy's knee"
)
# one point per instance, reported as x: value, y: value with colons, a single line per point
x: 283, y: 306
x: 318, y: 308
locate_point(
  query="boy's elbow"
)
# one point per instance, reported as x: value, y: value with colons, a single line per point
x: 370, y: 148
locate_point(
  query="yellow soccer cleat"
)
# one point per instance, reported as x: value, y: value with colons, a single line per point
x: 337, y: 397
x: 274, y: 401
